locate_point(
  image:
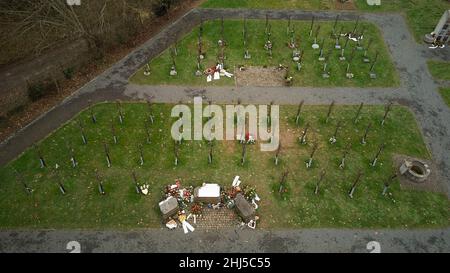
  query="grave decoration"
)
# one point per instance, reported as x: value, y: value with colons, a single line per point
x: 180, y: 204
x: 216, y: 72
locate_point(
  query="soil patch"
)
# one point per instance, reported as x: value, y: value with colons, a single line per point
x: 432, y: 183
x: 348, y: 5
x: 260, y: 76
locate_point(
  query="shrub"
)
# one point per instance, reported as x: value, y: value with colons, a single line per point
x: 68, y: 73
x: 40, y: 89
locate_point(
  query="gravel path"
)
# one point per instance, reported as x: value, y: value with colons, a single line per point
x: 229, y: 240
x: 418, y: 91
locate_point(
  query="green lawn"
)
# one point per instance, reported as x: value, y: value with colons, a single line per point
x: 311, y: 74
x: 439, y: 70
x: 422, y: 15
x: 445, y: 93
x: 121, y: 207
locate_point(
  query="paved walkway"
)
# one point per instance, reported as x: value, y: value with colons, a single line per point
x: 418, y: 91
x: 228, y: 240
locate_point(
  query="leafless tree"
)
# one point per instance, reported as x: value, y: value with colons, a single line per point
x: 358, y: 113
x: 101, y: 189
x: 83, y: 135
x: 330, y: 110
x: 37, y: 25
x: 322, y: 176
x: 21, y: 180
x: 344, y: 156
x: 136, y: 183
x: 283, y: 180
x: 277, y: 155
x: 299, y: 110
x: 40, y: 156
x: 388, y: 183
x: 108, y: 158
x: 357, y: 180
x: 387, y: 109
x: 375, y: 159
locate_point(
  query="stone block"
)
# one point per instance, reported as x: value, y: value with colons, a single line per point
x: 244, y: 208
x: 169, y: 207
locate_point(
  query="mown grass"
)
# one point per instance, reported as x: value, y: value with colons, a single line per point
x: 439, y: 70
x: 422, y: 15
x: 311, y: 74
x: 121, y: 207
x: 445, y: 93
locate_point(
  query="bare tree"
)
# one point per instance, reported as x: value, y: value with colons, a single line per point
x: 141, y: 155
x: 21, y: 180
x: 108, y: 158
x: 388, y: 183
x: 330, y: 110
x: 311, y: 157
x: 151, y: 117
x: 312, y: 26
x: 120, y: 111
x: 37, y: 25
x: 277, y: 155
x: 40, y: 156
x: 299, y: 110
x: 322, y: 176
x: 344, y: 156
x: 113, y: 132
x: 358, y: 113
x: 364, y: 138
x: 176, y: 153
x: 136, y: 183
x: 387, y: 109
x: 92, y: 114
x: 147, y: 132
x: 73, y: 159
x: 101, y: 189
x: 83, y: 135
x: 375, y: 159
x: 58, y: 181
x: 210, y: 154
x: 304, y: 134
x: 283, y: 180
x: 357, y: 180
x: 244, y: 151
x: 333, y: 138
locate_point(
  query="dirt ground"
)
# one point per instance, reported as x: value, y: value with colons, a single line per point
x: 30, y: 112
x: 433, y: 182
x: 260, y: 76
x: 349, y: 5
